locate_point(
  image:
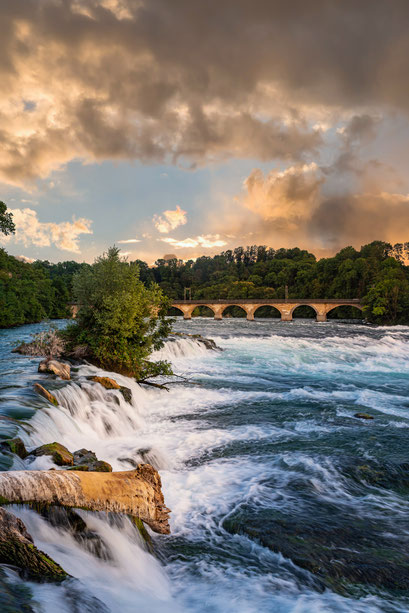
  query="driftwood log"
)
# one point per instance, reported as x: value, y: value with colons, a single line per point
x: 136, y: 492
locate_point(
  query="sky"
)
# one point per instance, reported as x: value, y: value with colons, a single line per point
x: 189, y: 127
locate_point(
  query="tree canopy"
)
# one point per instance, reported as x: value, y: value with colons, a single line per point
x: 6, y: 220
x: 120, y: 321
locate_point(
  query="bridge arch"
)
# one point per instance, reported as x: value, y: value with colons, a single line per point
x: 276, y: 312
x: 351, y: 306
x: 233, y: 306
x: 200, y: 306
x: 171, y: 312
x: 308, y: 306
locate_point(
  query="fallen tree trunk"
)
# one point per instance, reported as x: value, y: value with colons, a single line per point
x: 136, y: 492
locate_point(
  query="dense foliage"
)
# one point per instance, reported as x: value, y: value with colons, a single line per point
x: 33, y: 292
x: 6, y: 220
x: 120, y: 321
x: 376, y: 274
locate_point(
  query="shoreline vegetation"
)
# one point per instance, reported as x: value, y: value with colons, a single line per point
x: 377, y: 274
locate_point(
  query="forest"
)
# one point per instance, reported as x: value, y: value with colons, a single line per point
x: 376, y: 274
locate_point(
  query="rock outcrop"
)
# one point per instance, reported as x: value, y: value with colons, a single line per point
x: 17, y: 549
x: 87, y: 460
x: 60, y: 454
x: 136, y: 492
x: 16, y: 446
x: 45, y: 394
x: 53, y: 367
x: 111, y: 384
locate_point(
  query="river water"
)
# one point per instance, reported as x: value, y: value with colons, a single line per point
x: 282, y: 500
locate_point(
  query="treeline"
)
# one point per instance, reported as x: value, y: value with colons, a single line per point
x: 32, y: 292
x: 376, y: 274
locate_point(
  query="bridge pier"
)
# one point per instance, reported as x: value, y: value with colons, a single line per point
x: 286, y: 316
x: 321, y: 317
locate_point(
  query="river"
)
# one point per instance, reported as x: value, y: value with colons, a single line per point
x: 277, y: 490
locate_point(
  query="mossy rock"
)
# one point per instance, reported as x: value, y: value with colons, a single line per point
x: 363, y: 416
x: 143, y: 532
x: 60, y: 454
x: 45, y: 394
x: 16, y: 446
x: 88, y: 461
x: 109, y: 384
x: 17, y: 549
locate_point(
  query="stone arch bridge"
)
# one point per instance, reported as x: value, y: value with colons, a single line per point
x: 286, y: 307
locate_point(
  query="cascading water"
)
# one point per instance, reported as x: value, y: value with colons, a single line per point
x: 263, y: 464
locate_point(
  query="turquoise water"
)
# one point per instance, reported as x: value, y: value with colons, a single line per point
x: 281, y: 499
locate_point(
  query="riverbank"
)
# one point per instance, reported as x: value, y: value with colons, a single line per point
x: 257, y: 460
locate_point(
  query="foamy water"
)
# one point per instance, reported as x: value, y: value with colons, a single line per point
x: 264, y: 429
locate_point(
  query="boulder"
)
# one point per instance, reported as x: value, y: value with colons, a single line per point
x: 106, y: 382
x: 88, y: 461
x: 17, y: 549
x: 53, y: 367
x: 60, y: 454
x: 126, y: 393
x: 16, y: 446
x: 45, y: 394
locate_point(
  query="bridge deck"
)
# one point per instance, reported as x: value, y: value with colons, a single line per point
x: 321, y: 306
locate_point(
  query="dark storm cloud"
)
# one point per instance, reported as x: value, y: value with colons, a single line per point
x: 191, y: 81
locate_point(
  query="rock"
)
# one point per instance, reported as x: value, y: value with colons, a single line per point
x: 54, y: 367
x: 363, y: 416
x: 106, y: 382
x: 336, y: 545
x: 126, y: 393
x: 15, y: 445
x: 87, y: 460
x: 17, y: 549
x: 207, y: 342
x: 45, y: 394
x: 60, y: 454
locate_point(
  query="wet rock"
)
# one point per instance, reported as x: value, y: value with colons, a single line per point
x: 88, y: 461
x: 207, y: 342
x: 386, y: 475
x: 17, y: 549
x: 126, y: 393
x: 107, y: 382
x: 53, y: 367
x: 363, y: 416
x: 45, y: 394
x: 60, y: 454
x: 16, y: 446
x: 338, y: 549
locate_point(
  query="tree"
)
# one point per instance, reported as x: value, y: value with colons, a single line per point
x: 6, y: 220
x: 120, y: 322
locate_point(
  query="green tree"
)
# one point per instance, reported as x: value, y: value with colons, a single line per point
x: 120, y: 321
x: 6, y: 220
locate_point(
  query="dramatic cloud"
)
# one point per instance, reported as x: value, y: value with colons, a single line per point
x: 31, y: 231
x: 302, y: 206
x: 284, y: 198
x: 207, y: 242
x: 170, y: 220
x: 190, y: 81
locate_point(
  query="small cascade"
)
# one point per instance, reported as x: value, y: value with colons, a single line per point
x: 176, y: 348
